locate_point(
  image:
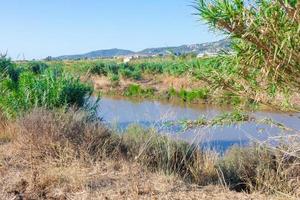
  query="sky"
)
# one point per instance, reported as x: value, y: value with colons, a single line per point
x: 35, y: 29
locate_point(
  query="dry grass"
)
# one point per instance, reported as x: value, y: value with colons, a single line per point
x: 260, y: 168
x: 106, y: 179
x: 65, y: 136
x: 64, y: 155
x: 5, y: 135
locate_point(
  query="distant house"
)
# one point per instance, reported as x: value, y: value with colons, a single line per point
x: 127, y: 59
x: 207, y: 54
x: 200, y: 55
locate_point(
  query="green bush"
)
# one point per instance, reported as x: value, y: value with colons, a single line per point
x: 137, y: 91
x: 49, y: 90
x: 114, y: 78
x: 193, y: 94
x: 133, y: 90
x: 37, y: 67
x: 5, y: 64
x: 99, y: 69
x: 130, y: 71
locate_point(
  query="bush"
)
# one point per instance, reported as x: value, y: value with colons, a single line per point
x: 261, y: 168
x: 193, y: 95
x: 44, y: 135
x: 130, y: 71
x: 37, y: 67
x: 159, y: 152
x: 9, y: 69
x: 137, y: 91
x: 49, y: 90
x: 99, y: 69
x: 5, y: 64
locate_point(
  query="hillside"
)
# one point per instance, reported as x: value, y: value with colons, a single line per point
x: 205, y: 48
x: 98, y: 54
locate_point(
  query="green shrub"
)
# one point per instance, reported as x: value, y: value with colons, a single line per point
x: 37, y: 67
x: 5, y: 64
x: 46, y: 90
x: 193, y: 95
x: 130, y: 71
x: 114, y: 78
x: 137, y: 91
x: 99, y: 69
x: 133, y: 90
x: 136, y: 75
x: 14, y: 74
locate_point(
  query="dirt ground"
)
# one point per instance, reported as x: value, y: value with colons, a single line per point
x: 160, y: 83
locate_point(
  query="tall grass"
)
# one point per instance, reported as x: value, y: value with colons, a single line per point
x: 52, y: 88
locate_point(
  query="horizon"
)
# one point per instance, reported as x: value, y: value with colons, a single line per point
x: 35, y: 30
x: 136, y: 51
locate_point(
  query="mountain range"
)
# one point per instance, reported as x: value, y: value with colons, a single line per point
x: 204, y: 48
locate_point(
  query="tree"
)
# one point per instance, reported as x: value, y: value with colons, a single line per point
x: 265, y: 37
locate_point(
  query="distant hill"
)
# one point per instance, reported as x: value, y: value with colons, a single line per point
x: 205, y: 48
x: 98, y: 54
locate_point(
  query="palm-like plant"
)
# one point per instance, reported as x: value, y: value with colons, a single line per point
x: 266, y: 39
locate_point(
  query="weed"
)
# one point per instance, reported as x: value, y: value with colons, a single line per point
x: 137, y: 91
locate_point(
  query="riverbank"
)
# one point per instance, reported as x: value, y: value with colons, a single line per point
x: 163, y: 87
x: 193, y: 80
x: 60, y: 155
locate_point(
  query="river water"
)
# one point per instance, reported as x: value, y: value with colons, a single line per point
x: 122, y: 113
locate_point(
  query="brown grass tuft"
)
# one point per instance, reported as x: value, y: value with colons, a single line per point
x: 62, y: 136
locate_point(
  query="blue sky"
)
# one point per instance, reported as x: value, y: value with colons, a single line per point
x: 38, y: 28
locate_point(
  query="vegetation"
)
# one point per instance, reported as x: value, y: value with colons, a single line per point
x: 213, y: 79
x: 137, y: 91
x: 141, y: 71
x: 134, y: 69
x: 24, y: 88
x: 42, y: 140
x: 48, y: 137
x: 224, y: 119
x: 45, y: 127
x: 265, y: 37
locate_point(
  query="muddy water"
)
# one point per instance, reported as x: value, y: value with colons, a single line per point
x: 122, y: 113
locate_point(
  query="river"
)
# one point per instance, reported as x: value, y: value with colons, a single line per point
x: 121, y: 113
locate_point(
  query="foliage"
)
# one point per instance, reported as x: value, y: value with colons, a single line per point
x: 5, y: 64
x: 137, y: 91
x: 193, y: 94
x: 266, y: 38
x: 21, y: 90
x: 223, y: 119
x: 37, y: 67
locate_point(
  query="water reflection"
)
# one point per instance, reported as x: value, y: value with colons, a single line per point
x: 122, y: 113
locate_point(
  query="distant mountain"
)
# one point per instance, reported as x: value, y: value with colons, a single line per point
x: 98, y: 54
x: 205, y: 48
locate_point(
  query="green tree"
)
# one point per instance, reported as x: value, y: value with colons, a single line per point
x: 265, y: 37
